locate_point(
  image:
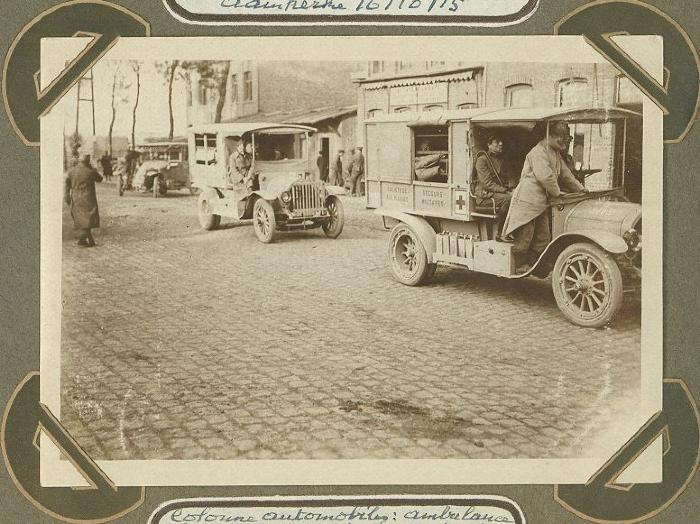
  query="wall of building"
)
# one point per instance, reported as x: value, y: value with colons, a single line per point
x: 289, y: 86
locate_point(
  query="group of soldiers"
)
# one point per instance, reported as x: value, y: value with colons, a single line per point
x: 349, y: 177
x: 548, y: 172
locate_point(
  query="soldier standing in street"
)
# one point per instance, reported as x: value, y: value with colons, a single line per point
x: 106, y: 162
x: 81, y: 197
x: 356, y: 170
x: 337, y: 171
x: 322, y: 165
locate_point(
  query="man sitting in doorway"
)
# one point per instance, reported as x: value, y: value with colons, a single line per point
x: 239, y: 165
x: 492, y: 183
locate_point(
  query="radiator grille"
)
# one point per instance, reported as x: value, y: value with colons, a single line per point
x: 307, y: 199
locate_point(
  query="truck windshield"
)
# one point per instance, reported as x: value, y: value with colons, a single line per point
x: 277, y: 147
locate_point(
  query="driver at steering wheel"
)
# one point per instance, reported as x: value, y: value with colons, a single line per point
x: 545, y: 176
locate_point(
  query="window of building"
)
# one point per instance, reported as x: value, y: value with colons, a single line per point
x: 433, y: 107
x: 376, y: 66
x: 430, y: 154
x: 205, y: 149
x: 573, y: 92
x: 401, y: 109
x: 402, y: 66
x: 469, y: 105
x: 374, y: 113
x: 234, y: 88
x: 247, y: 86
x: 519, y: 95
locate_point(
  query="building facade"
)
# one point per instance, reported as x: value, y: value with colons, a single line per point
x: 395, y: 87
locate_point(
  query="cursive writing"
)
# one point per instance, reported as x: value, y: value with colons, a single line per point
x: 285, y: 5
x: 469, y: 514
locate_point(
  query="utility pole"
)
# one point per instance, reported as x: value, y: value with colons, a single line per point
x: 85, y: 97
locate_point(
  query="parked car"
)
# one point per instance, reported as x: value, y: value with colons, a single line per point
x: 594, y: 256
x: 284, y: 194
x: 164, y: 166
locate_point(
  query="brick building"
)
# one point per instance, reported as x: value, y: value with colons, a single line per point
x: 394, y: 87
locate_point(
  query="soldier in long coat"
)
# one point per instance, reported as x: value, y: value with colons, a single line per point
x: 80, y: 196
x: 337, y: 171
x: 544, y: 176
x: 356, y: 170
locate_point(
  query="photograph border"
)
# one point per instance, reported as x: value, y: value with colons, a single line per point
x: 568, y: 49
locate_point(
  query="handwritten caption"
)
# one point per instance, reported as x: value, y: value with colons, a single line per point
x: 357, y: 6
x: 340, y: 515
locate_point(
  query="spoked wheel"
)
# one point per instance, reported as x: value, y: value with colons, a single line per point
x: 587, y: 285
x: 264, y: 222
x: 207, y: 219
x: 336, y: 217
x: 407, y: 257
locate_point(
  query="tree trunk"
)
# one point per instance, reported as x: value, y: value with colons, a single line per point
x: 171, y: 80
x: 223, y: 82
x: 114, y: 110
x: 136, y: 105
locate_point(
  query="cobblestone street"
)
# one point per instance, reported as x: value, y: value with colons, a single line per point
x: 188, y: 344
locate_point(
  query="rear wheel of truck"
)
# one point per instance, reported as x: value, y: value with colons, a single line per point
x: 207, y: 219
x: 587, y: 285
x: 407, y: 257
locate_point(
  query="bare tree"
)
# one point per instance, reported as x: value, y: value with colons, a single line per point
x: 169, y: 69
x: 119, y: 86
x: 136, y: 67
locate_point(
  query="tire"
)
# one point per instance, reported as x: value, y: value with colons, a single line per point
x: 154, y: 187
x: 207, y: 219
x: 408, y: 259
x: 264, y: 222
x: 162, y: 187
x: 334, y: 226
x: 587, y: 285
x: 120, y: 186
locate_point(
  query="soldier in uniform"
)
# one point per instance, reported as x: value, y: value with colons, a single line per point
x: 492, y: 183
x: 337, y: 171
x: 239, y: 164
x: 545, y: 175
x: 356, y: 170
x: 81, y: 197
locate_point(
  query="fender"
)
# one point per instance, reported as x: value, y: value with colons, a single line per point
x: 419, y: 225
x: 265, y: 194
x: 335, y: 190
x: 610, y: 242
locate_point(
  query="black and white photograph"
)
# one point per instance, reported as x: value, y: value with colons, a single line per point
x: 265, y: 261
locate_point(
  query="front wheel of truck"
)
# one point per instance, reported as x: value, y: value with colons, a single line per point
x: 587, y: 285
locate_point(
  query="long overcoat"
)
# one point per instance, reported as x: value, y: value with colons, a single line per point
x: 544, y: 176
x: 80, y: 194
